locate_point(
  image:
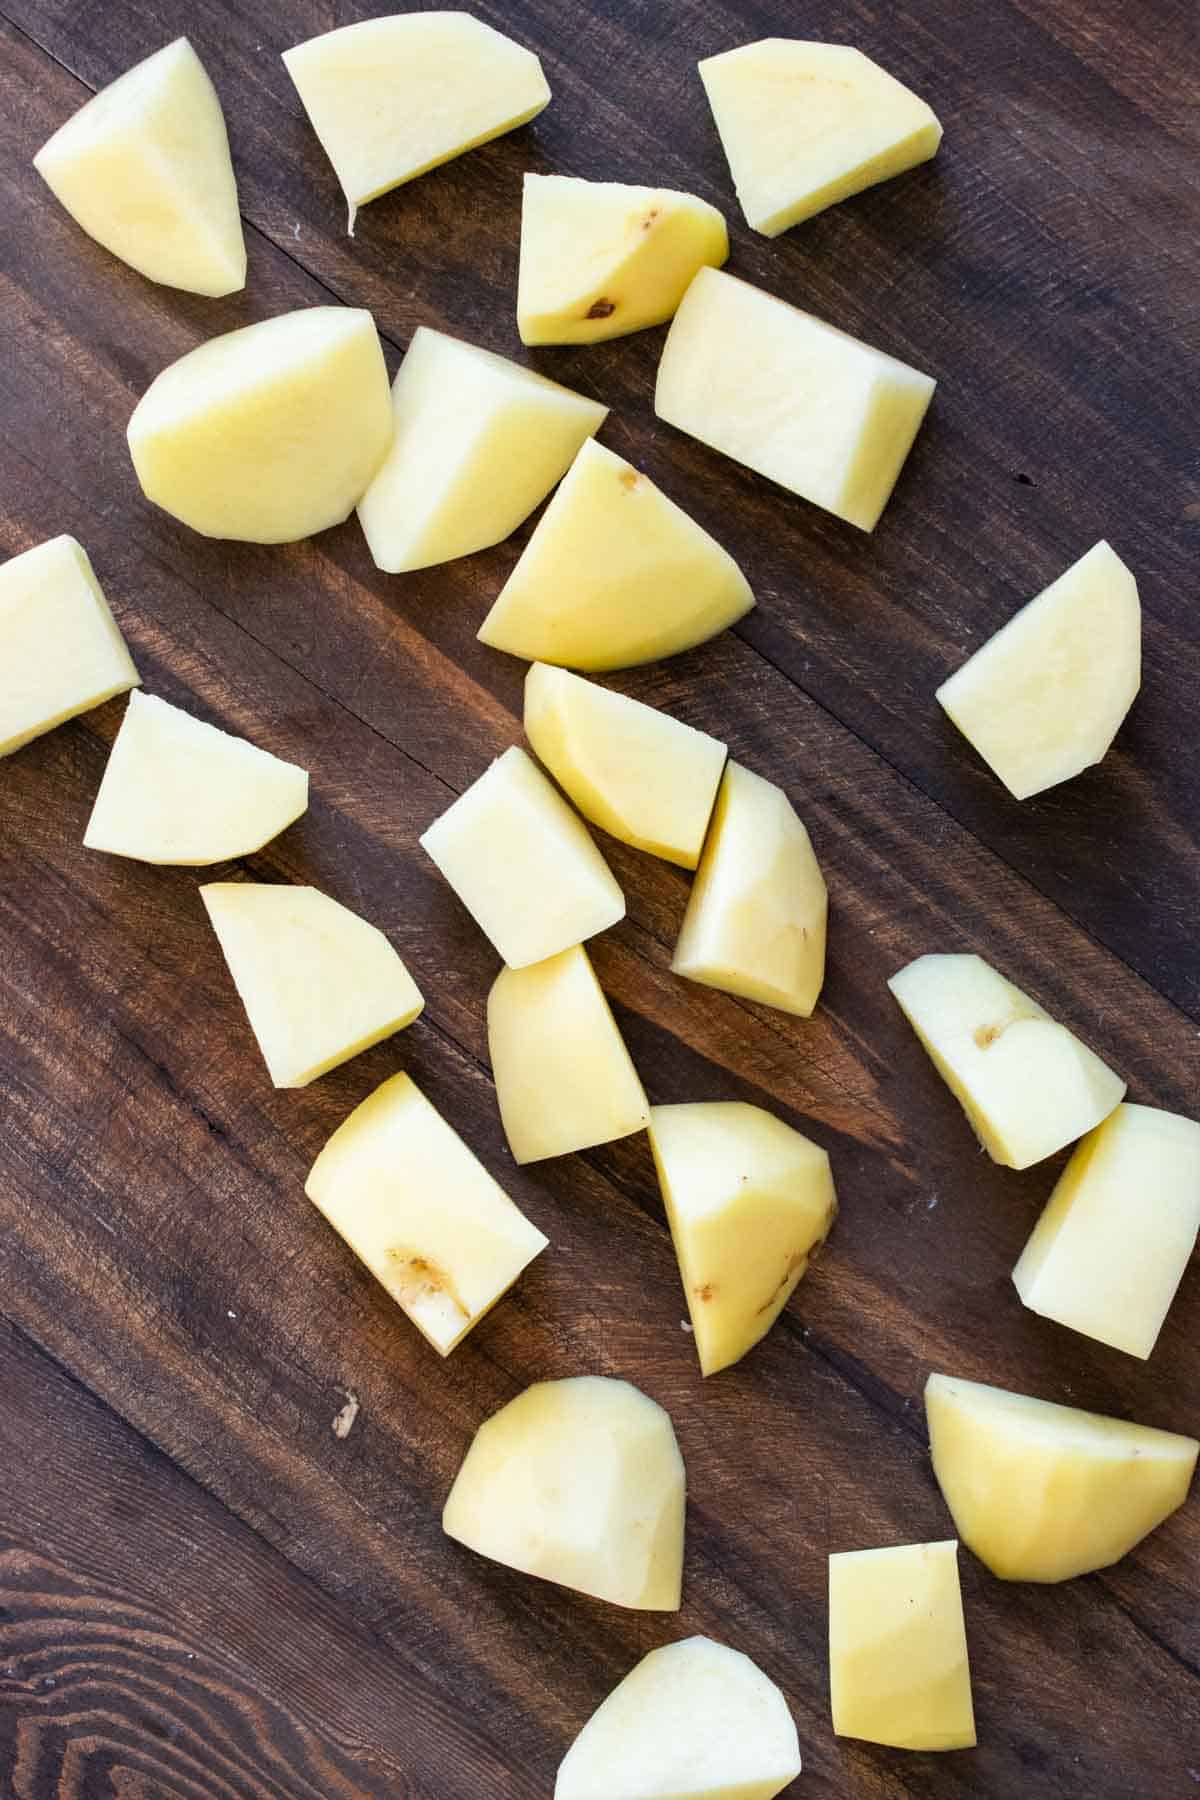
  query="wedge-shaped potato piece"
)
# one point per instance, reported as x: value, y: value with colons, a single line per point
x: 749, y: 1201
x: 793, y: 398
x: 755, y: 923
x: 523, y: 864
x: 61, y: 650
x: 898, y: 1668
x: 639, y: 774
x: 580, y: 1482
x: 390, y: 98
x: 1042, y: 1492
x: 144, y: 168
x: 614, y: 574
x: 804, y: 125
x: 270, y: 433
x: 176, y: 790
x: 564, y: 1079
x: 1118, y: 1231
x: 693, y: 1721
x: 478, y: 442
x: 1027, y: 1084
x: 422, y: 1212
x: 319, y: 984
x: 1045, y: 697
x: 600, y: 259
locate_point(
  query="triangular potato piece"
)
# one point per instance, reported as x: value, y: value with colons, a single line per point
x: 319, y: 984
x: 1044, y: 698
x: 144, y: 168
x: 614, y: 574
x: 61, y: 650
x: 693, y: 1721
x: 176, y: 790
x: 806, y: 124
x: 390, y: 98
x: 478, y: 443
x: 600, y: 258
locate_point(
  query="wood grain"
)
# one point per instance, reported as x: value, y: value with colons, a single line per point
x: 154, y: 1239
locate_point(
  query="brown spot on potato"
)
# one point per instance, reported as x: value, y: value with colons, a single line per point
x: 706, y: 1291
x: 601, y: 309
x: 986, y: 1035
x: 629, y: 479
x: 650, y: 217
x: 418, y: 1278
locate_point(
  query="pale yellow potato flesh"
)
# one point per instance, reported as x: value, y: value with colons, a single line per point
x: 644, y: 777
x: 749, y: 1201
x: 1111, y: 1248
x: 693, y: 1721
x: 523, y: 864
x: 805, y: 124
x: 1027, y: 1085
x: 177, y: 790
x: 61, y: 650
x: 755, y: 922
x: 1044, y: 698
x: 564, y: 1079
x: 144, y: 169
x: 579, y: 1482
x: 614, y: 574
x: 422, y: 1212
x: 898, y: 1668
x: 1042, y: 1492
x: 391, y: 98
x: 600, y: 258
x: 270, y: 433
x: 823, y: 414
x: 477, y: 443
x: 319, y: 983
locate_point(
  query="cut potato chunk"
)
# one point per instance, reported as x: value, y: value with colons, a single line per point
x: 319, y: 984
x: 1042, y: 1492
x: 419, y: 1209
x: 579, y: 1482
x: 61, y: 650
x: 144, y: 168
x: 599, y: 258
x: 1045, y: 697
x: 898, y: 1668
x: 1111, y: 1248
x: 176, y: 790
x: 693, y: 1721
x: 614, y: 574
x: 749, y: 1201
x: 523, y: 864
x: 648, y: 779
x: 390, y: 98
x: 564, y: 1079
x: 793, y: 398
x: 478, y: 442
x: 804, y: 125
x: 270, y: 433
x: 755, y: 923
x: 1027, y: 1084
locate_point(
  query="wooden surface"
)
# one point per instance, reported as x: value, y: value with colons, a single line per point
x: 204, y: 1591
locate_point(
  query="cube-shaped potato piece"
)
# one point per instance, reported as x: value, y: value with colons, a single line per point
x: 797, y: 400
x: 1118, y: 1232
x: 61, y: 650
x: 523, y: 864
x: 422, y: 1212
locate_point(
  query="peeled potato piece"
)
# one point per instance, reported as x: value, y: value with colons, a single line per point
x: 1044, y: 698
x: 176, y: 790
x: 144, y: 168
x: 390, y: 98
x: 600, y: 259
x: 693, y: 1721
x: 61, y: 650
x: 270, y: 433
x: 614, y: 574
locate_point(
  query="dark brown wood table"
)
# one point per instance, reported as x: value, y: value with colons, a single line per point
x: 204, y: 1590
